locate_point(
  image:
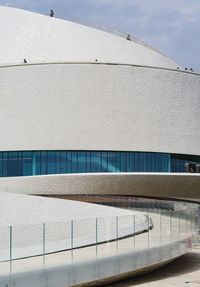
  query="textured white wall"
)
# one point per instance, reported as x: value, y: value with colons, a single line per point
x: 40, y: 38
x: 99, y: 107
x: 37, y: 210
x: 162, y: 185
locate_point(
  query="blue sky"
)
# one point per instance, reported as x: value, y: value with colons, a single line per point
x: 172, y: 26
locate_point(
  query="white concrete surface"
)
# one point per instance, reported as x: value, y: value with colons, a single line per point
x: 99, y: 107
x: 39, y: 38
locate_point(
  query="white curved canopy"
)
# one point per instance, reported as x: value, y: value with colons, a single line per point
x: 39, y: 38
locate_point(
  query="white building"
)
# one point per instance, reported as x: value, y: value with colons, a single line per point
x: 91, y: 112
x: 88, y: 112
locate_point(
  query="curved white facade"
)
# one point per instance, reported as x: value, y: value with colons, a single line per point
x: 87, y: 90
x: 152, y: 185
x: 78, y: 100
x: 40, y: 38
x: 64, y: 106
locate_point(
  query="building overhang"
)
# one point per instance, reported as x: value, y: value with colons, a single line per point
x: 160, y: 185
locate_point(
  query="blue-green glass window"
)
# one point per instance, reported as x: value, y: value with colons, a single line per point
x: 112, y: 162
x: 88, y: 161
x: 71, y: 162
x: 51, y: 162
x: 157, y: 162
x: 82, y: 162
x: 117, y: 162
x: 104, y: 161
x: 12, y: 166
x: 63, y: 162
x: 124, y: 162
x: 27, y: 166
x: 58, y: 162
x: 44, y: 161
x: 74, y: 161
x: 5, y: 164
x: 148, y: 162
x: 130, y: 162
x: 142, y: 160
x: 178, y: 161
x: 37, y: 163
x: 95, y: 161
x: 1, y: 164
x: 24, y: 163
x: 137, y: 163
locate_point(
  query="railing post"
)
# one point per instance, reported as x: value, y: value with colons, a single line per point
x: 11, y: 255
x: 72, y: 239
x: 185, y: 233
x: 134, y: 231
x: 179, y: 230
x: 134, y: 240
x: 171, y: 222
x: 96, y: 238
x: 44, y: 239
x: 117, y: 234
x: 191, y: 220
x: 160, y: 227
x: 148, y: 226
x: 170, y: 214
x: 11, y: 238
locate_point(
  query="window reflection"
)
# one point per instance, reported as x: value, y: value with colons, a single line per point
x: 27, y: 163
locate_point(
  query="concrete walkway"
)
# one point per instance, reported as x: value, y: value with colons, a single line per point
x: 185, y: 271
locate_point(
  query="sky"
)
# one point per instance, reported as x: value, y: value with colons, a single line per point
x: 171, y: 26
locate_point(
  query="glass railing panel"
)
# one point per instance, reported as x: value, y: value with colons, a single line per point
x: 28, y: 240
x: 57, y: 236
x: 174, y: 226
x: 126, y: 232
x: 154, y: 228
x: 107, y: 234
x: 5, y: 271
x: 84, y: 240
x: 32, y: 268
x: 5, y: 243
x: 146, y: 238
